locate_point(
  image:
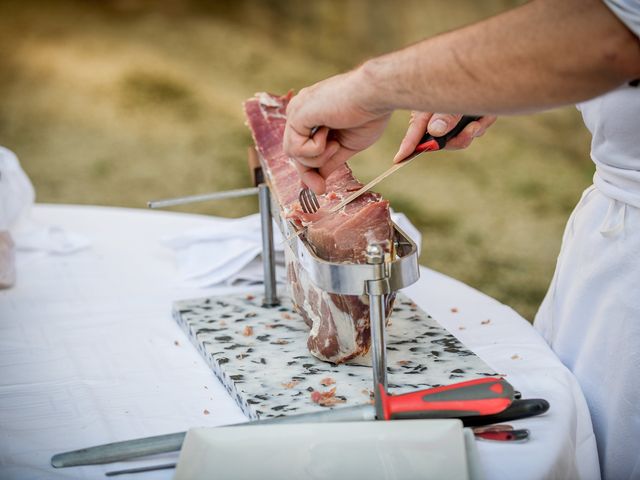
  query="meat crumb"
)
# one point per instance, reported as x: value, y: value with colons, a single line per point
x: 515, y: 357
x: 454, y: 310
x: 326, y: 399
x: 271, y: 325
x: 286, y: 316
x: 486, y: 322
x: 222, y: 323
x: 250, y: 297
x: 403, y: 362
x: 248, y: 331
x: 206, y: 412
x: 325, y: 382
x: 280, y: 341
x: 462, y: 327
x: 291, y: 384
x: 176, y: 343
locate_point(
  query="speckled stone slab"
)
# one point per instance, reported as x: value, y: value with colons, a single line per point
x: 260, y: 355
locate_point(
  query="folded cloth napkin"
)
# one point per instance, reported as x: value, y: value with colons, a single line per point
x: 34, y: 237
x: 228, y: 251
x: 16, y: 191
x: 223, y: 252
x: 17, y: 195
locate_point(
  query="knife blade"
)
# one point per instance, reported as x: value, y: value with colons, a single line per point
x: 428, y: 143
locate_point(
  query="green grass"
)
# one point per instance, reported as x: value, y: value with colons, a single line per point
x: 118, y: 102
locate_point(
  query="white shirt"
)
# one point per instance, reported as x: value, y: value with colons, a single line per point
x: 591, y: 314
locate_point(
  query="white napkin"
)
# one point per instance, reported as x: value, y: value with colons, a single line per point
x: 228, y: 251
x: 16, y: 198
x: 16, y: 191
x: 17, y: 231
x: 224, y: 251
x: 34, y: 237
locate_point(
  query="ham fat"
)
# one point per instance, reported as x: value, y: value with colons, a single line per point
x: 339, y: 324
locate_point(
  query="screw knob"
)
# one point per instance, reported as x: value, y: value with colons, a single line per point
x: 374, y: 254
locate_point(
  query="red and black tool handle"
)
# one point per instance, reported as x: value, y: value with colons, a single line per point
x: 430, y: 143
x: 519, y: 435
x: 484, y: 396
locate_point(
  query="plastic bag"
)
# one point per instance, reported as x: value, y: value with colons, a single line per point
x: 16, y: 198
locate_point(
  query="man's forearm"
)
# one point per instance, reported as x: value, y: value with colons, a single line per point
x: 543, y: 54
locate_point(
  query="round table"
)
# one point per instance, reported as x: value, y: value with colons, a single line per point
x: 90, y: 354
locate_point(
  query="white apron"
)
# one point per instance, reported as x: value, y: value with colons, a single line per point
x: 591, y: 313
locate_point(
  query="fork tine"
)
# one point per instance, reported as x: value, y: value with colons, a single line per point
x: 314, y: 201
x: 302, y: 199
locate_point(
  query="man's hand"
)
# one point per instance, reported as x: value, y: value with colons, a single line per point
x: 347, y: 124
x: 438, y: 124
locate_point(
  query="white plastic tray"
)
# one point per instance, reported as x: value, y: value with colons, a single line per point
x: 425, y: 449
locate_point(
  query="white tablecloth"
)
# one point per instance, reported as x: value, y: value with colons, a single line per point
x: 89, y: 354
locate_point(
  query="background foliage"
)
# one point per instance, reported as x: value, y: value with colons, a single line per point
x: 118, y: 102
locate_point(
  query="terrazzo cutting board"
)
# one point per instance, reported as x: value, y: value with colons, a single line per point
x: 260, y: 355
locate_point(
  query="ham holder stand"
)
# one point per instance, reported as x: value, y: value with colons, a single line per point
x: 382, y: 275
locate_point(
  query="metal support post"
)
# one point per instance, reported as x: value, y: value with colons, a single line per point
x: 268, y: 254
x: 377, y: 288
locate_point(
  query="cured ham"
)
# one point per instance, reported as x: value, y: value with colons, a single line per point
x: 339, y: 324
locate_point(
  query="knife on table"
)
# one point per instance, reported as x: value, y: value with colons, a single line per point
x: 473, y: 398
x: 428, y: 143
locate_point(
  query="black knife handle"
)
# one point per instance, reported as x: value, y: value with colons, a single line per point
x: 518, y: 409
x: 429, y: 142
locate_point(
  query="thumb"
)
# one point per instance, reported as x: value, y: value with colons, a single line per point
x: 417, y: 127
x: 441, y: 123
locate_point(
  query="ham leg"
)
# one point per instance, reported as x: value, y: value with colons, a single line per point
x: 339, y: 324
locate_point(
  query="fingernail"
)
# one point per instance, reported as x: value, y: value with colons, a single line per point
x: 438, y: 127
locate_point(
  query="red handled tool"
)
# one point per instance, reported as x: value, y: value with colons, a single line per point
x: 484, y: 396
x: 501, y: 433
x: 519, y: 435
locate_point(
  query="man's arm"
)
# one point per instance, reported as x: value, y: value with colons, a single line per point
x: 541, y: 55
